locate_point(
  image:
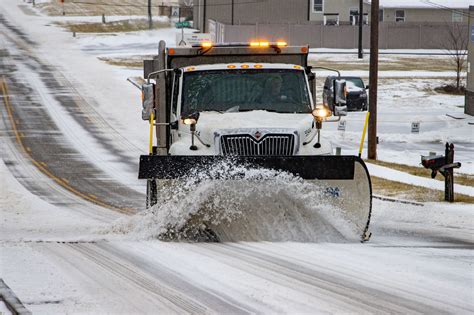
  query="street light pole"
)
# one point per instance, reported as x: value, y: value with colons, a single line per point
x: 204, y: 17
x: 150, y: 22
x: 361, y: 23
x: 373, y: 78
x: 232, y: 12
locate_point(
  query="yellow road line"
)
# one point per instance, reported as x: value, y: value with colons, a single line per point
x: 62, y: 182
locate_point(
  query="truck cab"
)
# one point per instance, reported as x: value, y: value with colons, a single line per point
x: 247, y: 99
x: 244, y: 109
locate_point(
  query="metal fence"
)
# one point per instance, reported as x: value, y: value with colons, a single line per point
x: 391, y: 35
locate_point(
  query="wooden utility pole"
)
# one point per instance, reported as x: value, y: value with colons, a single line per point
x: 373, y: 78
x: 361, y: 23
x: 150, y: 22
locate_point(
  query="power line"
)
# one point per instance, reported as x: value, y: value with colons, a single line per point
x: 440, y: 6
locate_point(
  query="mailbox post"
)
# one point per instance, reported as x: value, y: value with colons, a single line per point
x: 448, y: 173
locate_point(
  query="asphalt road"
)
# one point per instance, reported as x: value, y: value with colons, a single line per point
x: 30, y: 125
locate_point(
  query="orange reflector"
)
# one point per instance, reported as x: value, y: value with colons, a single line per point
x: 190, y: 69
x: 304, y: 50
x: 280, y: 44
x: 296, y: 67
x: 244, y: 66
x: 171, y: 51
x: 231, y: 67
x: 206, y: 44
x: 258, y: 66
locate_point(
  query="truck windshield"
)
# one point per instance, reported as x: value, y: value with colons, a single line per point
x: 279, y: 90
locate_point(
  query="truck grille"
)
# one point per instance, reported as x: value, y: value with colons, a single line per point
x: 268, y: 145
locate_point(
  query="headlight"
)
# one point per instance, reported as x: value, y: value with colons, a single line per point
x: 189, y: 121
x: 321, y: 112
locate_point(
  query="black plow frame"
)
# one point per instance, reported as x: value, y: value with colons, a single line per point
x: 306, y: 167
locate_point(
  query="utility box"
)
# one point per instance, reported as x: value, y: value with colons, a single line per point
x: 469, y: 103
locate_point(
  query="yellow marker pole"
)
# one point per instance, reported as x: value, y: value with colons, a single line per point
x: 152, y: 122
x: 367, y: 116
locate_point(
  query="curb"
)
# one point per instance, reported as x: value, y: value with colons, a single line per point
x: 407, y: 202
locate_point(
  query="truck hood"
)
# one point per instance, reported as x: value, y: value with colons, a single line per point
x: 211, y: 122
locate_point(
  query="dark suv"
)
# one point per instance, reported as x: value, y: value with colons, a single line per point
x: 356, y: 98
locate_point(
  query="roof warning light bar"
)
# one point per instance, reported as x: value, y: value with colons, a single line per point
x: 256, y: 44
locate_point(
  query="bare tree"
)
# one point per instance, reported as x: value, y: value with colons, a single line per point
x: 456, y: 46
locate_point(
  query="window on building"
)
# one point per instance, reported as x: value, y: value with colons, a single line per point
x: 400, y: 16
x: 381, y: 15
x: 318, y: 6
x: 354, y: 16
x: 331, y: 19
x: 457, y: 16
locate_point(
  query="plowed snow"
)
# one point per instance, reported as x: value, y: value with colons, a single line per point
x: 262, y: 205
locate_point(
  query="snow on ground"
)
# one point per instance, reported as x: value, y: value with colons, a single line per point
x: 108, y: 18
x: 3, y: 309
x: 385, y: 172
x: 419, y: 254
x: 400, y: 103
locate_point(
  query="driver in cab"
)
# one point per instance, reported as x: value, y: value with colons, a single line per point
x: 272, y: 91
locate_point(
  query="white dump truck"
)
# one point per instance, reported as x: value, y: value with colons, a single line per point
x: 253, y: 103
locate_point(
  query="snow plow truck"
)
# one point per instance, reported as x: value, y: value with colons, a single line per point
x: 255, y: 104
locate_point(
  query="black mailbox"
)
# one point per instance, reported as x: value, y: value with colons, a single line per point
x: 445, y: 165
x: 433, y: 162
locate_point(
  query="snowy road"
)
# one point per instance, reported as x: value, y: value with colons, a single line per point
x: 67, y: 173
x: 59, y: 131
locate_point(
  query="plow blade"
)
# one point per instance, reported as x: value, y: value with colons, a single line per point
x: 344, y: 180
x: 306, y: 167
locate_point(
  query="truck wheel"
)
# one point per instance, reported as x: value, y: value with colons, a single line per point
x: 151, y: 193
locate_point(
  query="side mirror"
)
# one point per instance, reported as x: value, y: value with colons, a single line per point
x: 339, y: 92
x: 367, y: 87
x: 148, y: 100
x: 312, y: 81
